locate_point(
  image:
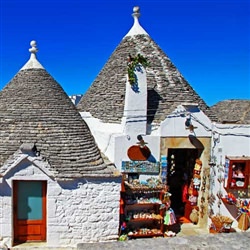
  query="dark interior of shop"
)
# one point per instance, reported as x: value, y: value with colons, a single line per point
x: 180, y: 171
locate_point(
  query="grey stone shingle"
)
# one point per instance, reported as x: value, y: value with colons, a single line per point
x: 167, y: 88
x: 233, y: 111
x: 35, y: 109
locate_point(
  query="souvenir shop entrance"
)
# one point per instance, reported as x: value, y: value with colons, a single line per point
x: 181, y: 163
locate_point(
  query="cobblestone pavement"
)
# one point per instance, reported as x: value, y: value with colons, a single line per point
x: 225, y: 241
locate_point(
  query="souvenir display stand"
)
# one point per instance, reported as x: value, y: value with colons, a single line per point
x: 141, y: 213
x: 193, y: 190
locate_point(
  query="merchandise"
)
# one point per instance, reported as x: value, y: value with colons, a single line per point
x: 142, y: 214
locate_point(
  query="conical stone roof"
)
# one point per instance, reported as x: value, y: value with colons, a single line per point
x: 35, y: 109
x: 233, y: 111
x: 167, y: 88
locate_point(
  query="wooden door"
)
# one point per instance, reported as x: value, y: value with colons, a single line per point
x: 29, y: 199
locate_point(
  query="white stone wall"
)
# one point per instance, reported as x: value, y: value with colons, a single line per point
x: 174, y: 124
x: 114, y: 140
x: 227, y: 140
x: 104, y: 134
x: 231, y: 140
x: 84, y: 210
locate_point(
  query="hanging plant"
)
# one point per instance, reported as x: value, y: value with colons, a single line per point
x: 133, y: 63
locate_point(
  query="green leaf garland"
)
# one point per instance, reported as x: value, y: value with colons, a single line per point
x: 134, y: 62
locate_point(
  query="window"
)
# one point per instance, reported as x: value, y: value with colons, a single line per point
x: 238, y: 173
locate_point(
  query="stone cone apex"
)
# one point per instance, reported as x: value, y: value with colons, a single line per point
x: 32, y: 63
x: 167, y: 88
x: 35, y: 109
x: 136, y: 28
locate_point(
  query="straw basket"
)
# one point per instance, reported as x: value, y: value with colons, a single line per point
x: 221, y: 223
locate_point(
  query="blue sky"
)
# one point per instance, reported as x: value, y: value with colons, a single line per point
x: 207, y: 40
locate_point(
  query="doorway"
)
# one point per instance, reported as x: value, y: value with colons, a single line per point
x: 29, y: 213
x: 181, y: 163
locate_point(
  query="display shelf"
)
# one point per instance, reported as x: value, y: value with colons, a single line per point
x: 144, y: 219
x: 146, y: 235
x: 143, y: 187
x: 142, y: 204
x: 141, y: 209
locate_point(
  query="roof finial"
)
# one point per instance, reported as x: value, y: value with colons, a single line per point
x: 136, y: 29
x: 32, y: 63
x: 34, y: 48
x: 136, y: 11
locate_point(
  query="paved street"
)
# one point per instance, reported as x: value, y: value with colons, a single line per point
x: 205, y: 241
x: 190, y: 238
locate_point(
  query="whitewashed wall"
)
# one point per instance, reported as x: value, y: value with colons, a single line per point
x: 84, y: 210
x: 115, y: 139
x: 231, y: 140
x: 104, y: 134
x: 124, y: 142
x: 114, y: 143
x: 174, y: 124
x: 227, y: 140
x: 135, y: 107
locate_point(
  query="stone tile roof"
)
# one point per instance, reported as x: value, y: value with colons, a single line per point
x: 233, y: 111
x: 35, y: 109
x: 167, y: 88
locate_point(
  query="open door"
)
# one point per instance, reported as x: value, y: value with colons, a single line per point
x: 29, y: 199
x: 184, y: 160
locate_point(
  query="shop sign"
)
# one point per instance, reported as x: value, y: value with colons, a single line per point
x: 140, y: 167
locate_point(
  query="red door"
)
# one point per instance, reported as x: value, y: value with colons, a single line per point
x: 29, y: 210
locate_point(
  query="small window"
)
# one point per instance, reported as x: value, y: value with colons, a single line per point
x: 238, y: 175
